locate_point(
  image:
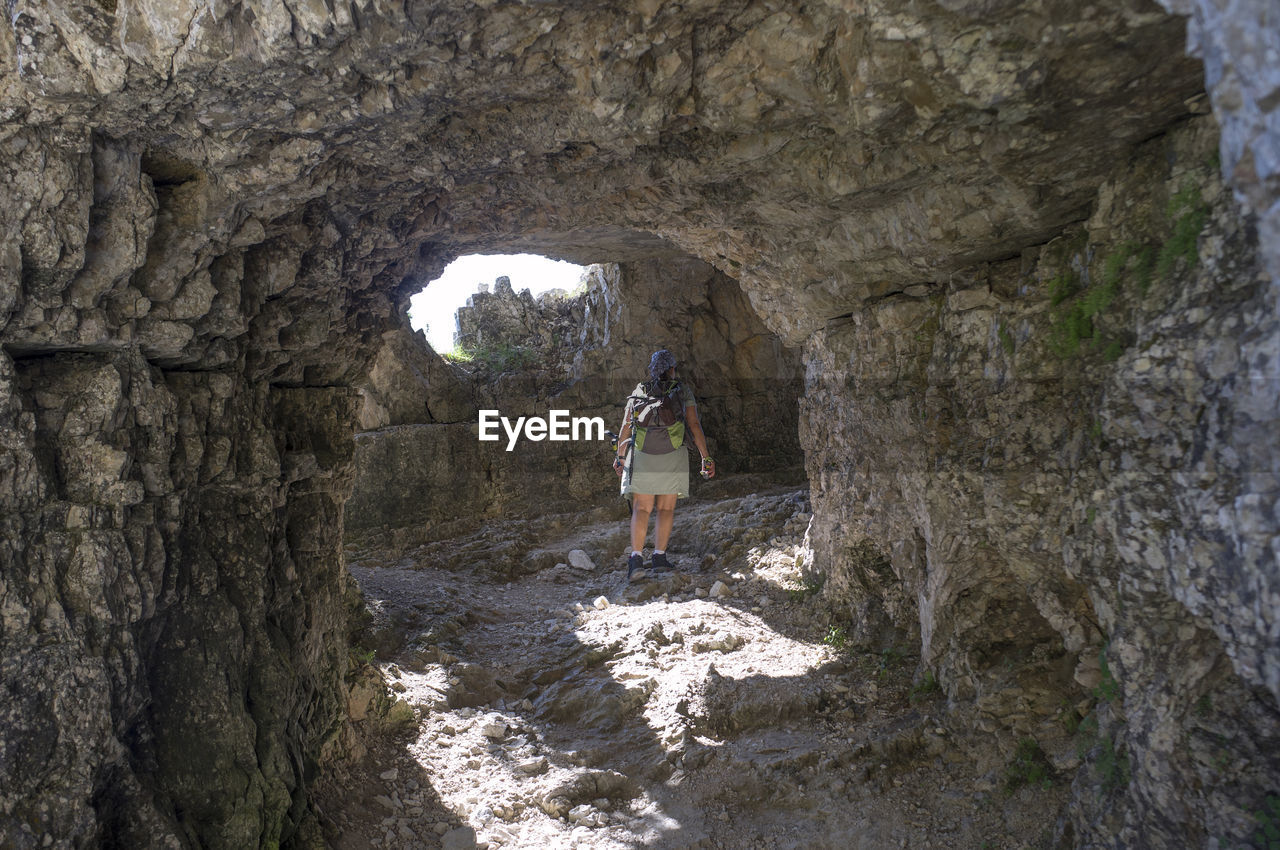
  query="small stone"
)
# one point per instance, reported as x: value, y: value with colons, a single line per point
x: 555, y: 806
x: 581, y: 561
x: 494, y: 731
x: 386, y: 802
x: 462, y: 838
x: 389, y: 775
x: 441, y: 828
x: 720, y: 590
x: 601, y: 603
x: 532, y: 767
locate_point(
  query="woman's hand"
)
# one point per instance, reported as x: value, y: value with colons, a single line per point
x: 708, y: 468
x: 618, y: 465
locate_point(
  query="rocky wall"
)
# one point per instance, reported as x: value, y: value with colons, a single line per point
x: 163, y: 532
x: 209, y: 211
x: 178, y: 449
x: 1053, y: 471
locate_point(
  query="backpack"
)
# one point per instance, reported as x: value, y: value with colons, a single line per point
x: 657, y: 416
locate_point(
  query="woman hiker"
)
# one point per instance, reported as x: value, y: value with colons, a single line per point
x: 652, y: 461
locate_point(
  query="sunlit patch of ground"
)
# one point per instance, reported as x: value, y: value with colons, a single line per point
x: 570, y: 708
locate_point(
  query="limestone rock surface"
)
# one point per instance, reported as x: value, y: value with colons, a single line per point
x: 212, y: 214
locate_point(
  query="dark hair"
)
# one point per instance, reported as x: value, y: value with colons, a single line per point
x: 660, y: 363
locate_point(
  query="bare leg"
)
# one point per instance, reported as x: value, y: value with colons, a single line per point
x: 641, y: 507
x: 666, y: 507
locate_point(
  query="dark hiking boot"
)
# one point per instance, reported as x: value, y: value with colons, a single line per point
x: 634, y: 563
x: 660, y: 561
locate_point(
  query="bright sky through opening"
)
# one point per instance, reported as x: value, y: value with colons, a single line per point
x: 435, y: 307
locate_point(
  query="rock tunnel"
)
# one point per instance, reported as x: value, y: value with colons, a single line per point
x: 1019, y: 260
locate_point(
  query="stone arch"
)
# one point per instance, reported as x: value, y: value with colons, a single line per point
x: 863, y: 171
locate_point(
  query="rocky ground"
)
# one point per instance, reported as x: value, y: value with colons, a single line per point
x: 717, y: 706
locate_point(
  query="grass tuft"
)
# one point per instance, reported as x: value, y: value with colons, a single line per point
x: 1267, y: 835
x: 1029, y: 766
x: 1189, y: 213
x: 1006, y: 339
x: 924, y: 689
x: 502, y: 357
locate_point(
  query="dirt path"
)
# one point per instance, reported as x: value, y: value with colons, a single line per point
x: 561, y: 706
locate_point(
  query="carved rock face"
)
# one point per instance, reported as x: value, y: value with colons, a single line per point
x: 210, y: 214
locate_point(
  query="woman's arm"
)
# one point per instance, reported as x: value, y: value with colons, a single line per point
x: 699, y: 440
x: 623, y: 433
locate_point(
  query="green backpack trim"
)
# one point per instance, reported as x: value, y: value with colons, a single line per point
x: 675, y: 433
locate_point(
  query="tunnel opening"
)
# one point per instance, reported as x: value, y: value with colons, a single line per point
x: 434, y: 310
x: 421, y: 467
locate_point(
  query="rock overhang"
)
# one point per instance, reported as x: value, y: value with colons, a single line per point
x: 822, y: 155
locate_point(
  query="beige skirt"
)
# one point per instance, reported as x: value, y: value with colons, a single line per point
x: 657, y: 474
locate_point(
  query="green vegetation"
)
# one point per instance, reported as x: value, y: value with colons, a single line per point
x: 1214, y: 160
x: 1188, y: 212
x: 1267, y: 835
x: 1029, y: 766
x: 924, y: 689
x: 1071, y: 720
x: 1108, y: 688
x: 1112, y: 767
x: 1086, y: 732
x: 400, y: 718
x: 1069, y: 325
x: 362, y: 655
x: 1144, y: 267
x: 1006, y: 339
x: 837, y: 638
x: 1077, y: 306
x: 890, y: 657
x: 1204, y: 707
x: 502, y: 357
x: 1063, y: 287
